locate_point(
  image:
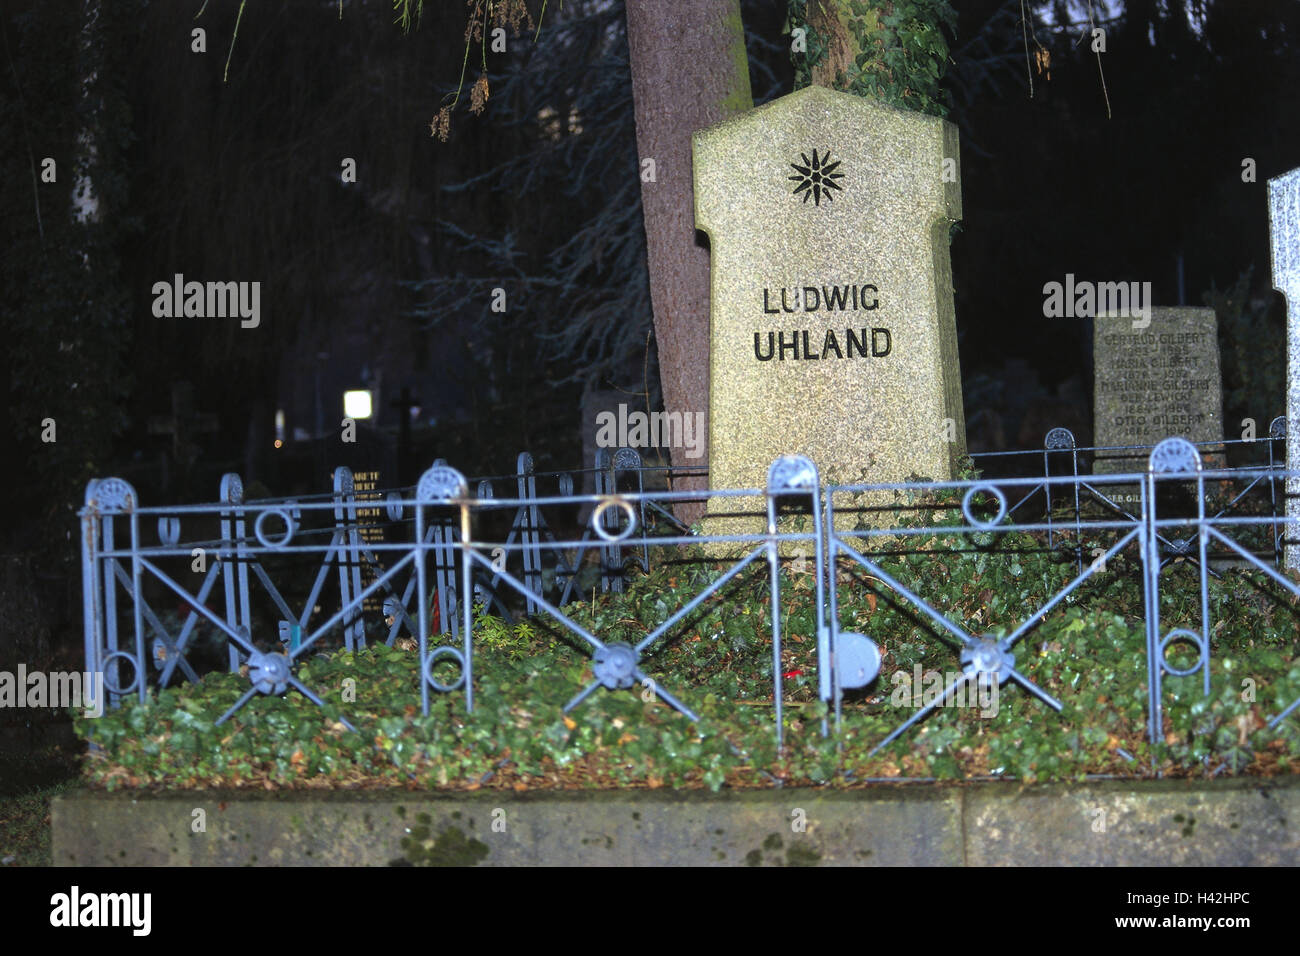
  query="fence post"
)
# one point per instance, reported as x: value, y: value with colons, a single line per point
x: 797, y: 475
x: 1173, y: 458
x: 233, y: 531
x: 1062, y: 439
x: 441, y: 486
x: 530, y: 523
x: 349, y: 553
x: 1276, y: 432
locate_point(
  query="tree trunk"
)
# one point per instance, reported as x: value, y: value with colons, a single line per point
x: 85, y: 203
x: 826, y: 18
x: 689, y: 71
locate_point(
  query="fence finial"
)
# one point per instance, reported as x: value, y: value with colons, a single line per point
x: 1058, y: 439
x: 232, y: 489
x: 791, y: 473
x: 111, y: 494
x: 1175, y: 456
x: 441, y: 485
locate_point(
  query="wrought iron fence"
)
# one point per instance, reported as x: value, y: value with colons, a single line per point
x: 445, y: 549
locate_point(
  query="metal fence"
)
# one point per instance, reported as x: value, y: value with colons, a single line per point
x: 268, y: 566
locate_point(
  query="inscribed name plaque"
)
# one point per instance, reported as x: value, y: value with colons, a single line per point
x: 366, y: 485
x: 370, y: 529
x: 1155, y: 383
x: 831, y: 310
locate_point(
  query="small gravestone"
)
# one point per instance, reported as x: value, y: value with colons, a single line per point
x: 372, y: 460
x: 1153, y: 380
x: 370, y: 520
x: 831, y: 309
x: 367, y: 487
x: 1284, y: 231
x: 595, y: 404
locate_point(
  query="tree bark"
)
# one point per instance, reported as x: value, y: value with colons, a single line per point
x: 689, y: 71
x: 826, y: 18
x: 85, y: 203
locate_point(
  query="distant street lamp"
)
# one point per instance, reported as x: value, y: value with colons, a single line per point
x: 357, y: 403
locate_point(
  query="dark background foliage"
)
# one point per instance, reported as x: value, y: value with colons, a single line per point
x: 389, y: 280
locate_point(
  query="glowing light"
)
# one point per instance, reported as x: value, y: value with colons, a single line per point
x: 356, y: 404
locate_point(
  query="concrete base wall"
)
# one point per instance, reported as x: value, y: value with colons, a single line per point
x: 1171, y: 823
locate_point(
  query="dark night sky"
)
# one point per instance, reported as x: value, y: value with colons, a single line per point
x: 240, y: 180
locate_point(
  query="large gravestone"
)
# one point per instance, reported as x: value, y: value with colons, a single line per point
x: 1284, y: 233
x: 1153, y: 381
x: 833, y: 331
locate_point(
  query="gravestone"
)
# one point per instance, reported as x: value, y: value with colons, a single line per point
x: 595, y: 403
x: 370, y: 521
x: 1153, y: 382
x: 1284, y: 233
x: 832, y: 325
x: 372, y: 460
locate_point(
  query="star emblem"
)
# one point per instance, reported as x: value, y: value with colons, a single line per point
x: 816, y: 178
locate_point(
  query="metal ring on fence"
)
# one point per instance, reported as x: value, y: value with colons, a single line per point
x: 1175, y: 636
x: 169, y: 531
x: 394, y: 506
x: 993, y: 490
x: 434, y: 655
x: 601, y: 508
x: 119, y: 689
x: 289, y: 528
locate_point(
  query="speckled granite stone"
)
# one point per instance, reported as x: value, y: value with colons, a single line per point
x: 833, y: 331
x: 1284, y: 230
x: 1155, y: 382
